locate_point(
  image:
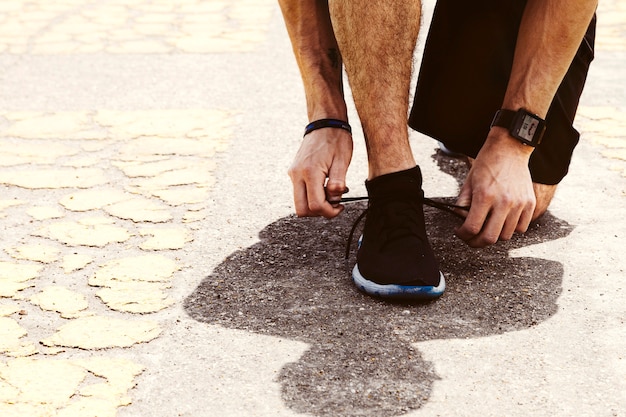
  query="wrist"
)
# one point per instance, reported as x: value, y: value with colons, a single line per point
x: 327, y: 123
x: 500, y: 138
x: 325, y: 100
x: 324, y: 96
x: 327, y: 108
x: 327, y: 113
x: 526, y: 127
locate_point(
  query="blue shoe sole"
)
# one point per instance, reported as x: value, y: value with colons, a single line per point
x: 398, y: 292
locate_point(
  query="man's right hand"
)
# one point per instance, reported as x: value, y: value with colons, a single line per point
x: 319, y: 169
x: 318, y: 172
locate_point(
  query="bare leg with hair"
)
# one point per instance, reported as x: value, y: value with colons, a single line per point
x: 377, y: 40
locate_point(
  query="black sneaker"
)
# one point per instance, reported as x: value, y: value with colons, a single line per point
x: 394, y: 259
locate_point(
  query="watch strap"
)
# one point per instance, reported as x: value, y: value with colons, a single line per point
x: 504, y: 118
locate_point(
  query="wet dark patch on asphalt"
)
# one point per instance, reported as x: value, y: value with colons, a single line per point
x: 295, y: 284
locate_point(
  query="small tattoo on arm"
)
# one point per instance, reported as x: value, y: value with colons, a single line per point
x: 333, y: 55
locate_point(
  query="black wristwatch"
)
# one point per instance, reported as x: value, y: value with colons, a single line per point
x: 526, y: 127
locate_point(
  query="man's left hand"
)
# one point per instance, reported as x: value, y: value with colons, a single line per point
x: 499, y: 190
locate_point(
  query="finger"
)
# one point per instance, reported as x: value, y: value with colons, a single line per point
x: 511, y: 224
x: 334, y: 200
x: 525, y: 218
x: 463, y: 200
x: 473, y: 224
x: 491, y: 229
x: 336, y: 184
x: 316, y: 198
x: 300, y: 199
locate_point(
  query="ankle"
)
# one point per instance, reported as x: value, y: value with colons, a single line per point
x: 379, y: 170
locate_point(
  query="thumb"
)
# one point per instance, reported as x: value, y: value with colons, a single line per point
x: 336, y: 184
x: 464, y: 199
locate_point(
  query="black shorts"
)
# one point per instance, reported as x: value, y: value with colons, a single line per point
x: 464, y: 74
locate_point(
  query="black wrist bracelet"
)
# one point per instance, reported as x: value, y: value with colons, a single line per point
x: 322, y: 123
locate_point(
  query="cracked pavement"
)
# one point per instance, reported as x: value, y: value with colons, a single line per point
x: 151, y: 265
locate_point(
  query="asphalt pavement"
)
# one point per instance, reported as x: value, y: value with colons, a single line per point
x: 151, y: 263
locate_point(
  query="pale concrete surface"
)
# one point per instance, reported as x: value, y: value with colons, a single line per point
x: 150, y: 265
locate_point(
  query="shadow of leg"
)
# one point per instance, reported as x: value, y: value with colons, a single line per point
x: 294, y: 284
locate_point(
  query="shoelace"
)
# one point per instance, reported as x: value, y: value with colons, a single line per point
x: 440, y: 205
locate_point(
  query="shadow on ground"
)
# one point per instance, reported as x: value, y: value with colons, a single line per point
x: 295, y: 284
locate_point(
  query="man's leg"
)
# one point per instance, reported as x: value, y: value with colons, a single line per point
x: 543, y: 194
x: 376, y: 40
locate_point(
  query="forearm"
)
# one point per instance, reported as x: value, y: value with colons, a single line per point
x: 549, y: 36
x: 499, y: 186
x: 317, y: 54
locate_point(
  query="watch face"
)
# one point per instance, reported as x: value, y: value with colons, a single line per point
x: 528, y: 127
